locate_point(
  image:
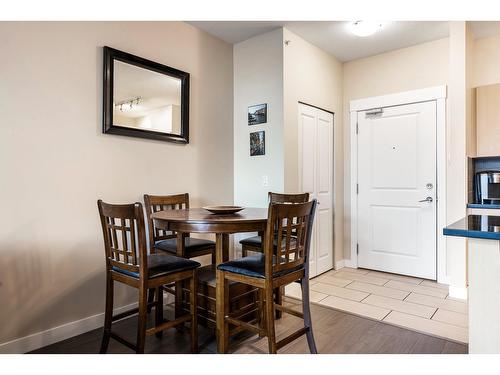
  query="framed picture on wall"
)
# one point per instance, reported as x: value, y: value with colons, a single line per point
x: 257, y: 114
x: 257, y: 143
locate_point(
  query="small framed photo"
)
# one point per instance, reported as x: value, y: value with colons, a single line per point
x: 257, y: 114
x: 257, y: 143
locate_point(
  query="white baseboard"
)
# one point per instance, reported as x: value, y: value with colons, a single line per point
x: 53, y: 335
x: 349, y: 263
x: 443, y: 280
x: 339, y: 264
x: 458, y: 292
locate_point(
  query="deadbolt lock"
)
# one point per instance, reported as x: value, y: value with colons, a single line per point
x: 429, y: 186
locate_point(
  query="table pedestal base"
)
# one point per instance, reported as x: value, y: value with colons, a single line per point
x: 243, y: 299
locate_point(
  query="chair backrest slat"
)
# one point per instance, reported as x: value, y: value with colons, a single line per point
x: 155, y: 203
x: 288, y: 198
x: 291, y: 226
x: 131, y: 252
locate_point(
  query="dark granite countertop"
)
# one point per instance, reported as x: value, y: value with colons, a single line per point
x: 481, y: 205
x: 475, y: 226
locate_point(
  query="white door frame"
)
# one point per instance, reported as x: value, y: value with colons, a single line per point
x: 437, y: 94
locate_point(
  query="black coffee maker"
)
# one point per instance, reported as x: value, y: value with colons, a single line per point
x: 487, y: 187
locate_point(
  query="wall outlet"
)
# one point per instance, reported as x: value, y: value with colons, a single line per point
x: 265, y: 180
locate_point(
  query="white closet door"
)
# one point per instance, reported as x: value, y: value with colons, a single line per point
x: 316, y: 178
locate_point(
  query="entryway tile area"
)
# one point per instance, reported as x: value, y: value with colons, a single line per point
x: 409, y: 302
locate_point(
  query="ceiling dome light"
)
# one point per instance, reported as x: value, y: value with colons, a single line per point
x: 365, y: 28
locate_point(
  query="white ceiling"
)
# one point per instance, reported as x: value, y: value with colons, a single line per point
x: 334, y: 37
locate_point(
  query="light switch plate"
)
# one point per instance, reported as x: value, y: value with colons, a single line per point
x: 265, y: 180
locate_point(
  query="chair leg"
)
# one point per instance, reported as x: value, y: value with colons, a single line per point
x: 213, y: 257
x: 222, y: 310
x: 178, y: 304
x: 151, y: 298
x: 278, y: 299
x: 141, y: 327
x: 108, y: 315
x: 271, y: 336
x: 159, y: 310
x: 304, y: 283
x: 261, y: 313
x: 193, y: 301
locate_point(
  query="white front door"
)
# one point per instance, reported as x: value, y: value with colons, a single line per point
x: 316, y: 178
x: 397, y: 189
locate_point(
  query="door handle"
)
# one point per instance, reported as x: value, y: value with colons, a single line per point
x: 428, y: 200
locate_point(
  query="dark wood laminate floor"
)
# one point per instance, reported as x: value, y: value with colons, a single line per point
x: 335, y: 332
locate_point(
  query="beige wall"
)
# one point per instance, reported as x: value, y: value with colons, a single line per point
x: 420, y: 66
x: 485, y: 61
x: 55, y: 162
x: 314, y: 77
x: 258, y: 79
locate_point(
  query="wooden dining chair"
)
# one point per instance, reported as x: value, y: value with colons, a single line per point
x: 278, y: 266
x: 254, y: 243
x: 166, y: 241
x: 128, y: 262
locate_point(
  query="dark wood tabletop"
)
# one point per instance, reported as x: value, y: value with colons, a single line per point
x: 199, y: 220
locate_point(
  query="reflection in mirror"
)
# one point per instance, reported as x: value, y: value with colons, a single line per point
x: 145, y: 99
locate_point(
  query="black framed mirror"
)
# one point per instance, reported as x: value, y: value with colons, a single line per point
x: 143, y: 98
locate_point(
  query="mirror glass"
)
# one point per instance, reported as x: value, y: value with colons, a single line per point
x: 147, y: 100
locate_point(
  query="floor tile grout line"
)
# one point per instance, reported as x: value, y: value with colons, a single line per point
x: 432, y: 316
x: 361, y: 301
x: 454, y: 325
x: 386, y: 315
x: 385, y: 296
x: 402, y: 312
x: 444, y: 299
x: 435, y: 307
x: 412, y: 291
x: 348, y: 284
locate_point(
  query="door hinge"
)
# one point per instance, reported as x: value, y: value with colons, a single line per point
x: 357, y: 248
x: 357, y: 189
x: 357, y: 127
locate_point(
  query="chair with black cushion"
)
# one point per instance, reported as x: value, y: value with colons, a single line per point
x: 128, y: 262
x: 254, y: 243
x: 166, y: 241
x: 278, y: 266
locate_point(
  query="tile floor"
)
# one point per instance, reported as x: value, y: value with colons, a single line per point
x: 416, y: 304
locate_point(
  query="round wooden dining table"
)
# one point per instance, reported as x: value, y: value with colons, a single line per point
x: 199, y: 220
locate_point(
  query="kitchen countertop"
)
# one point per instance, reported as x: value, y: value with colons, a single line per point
x: 481, y: 205
x: 475, y: 226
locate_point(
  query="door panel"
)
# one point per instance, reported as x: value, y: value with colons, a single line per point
x: 308, y: 137
x: 316, y: 175
x: 393, y: 143
x: 396, y: 164
x: 324, y: 192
